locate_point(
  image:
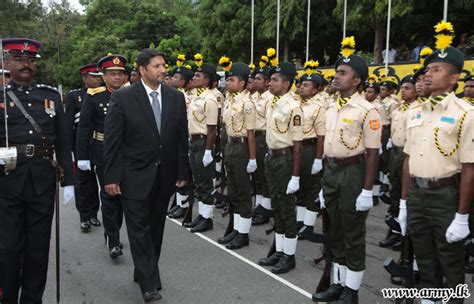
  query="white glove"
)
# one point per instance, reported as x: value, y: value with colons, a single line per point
x: 317, y: 166
x: 207, y: 159
x: 68, y: 194
x: 459, y: 228
x: 321, y: 199
x: 402, y: 216
x: 251, y: 166
x: 293, y: 185
x: 389, y: 144
x: 364, y: 201
x: 380, y: 151
x: 2, y: 162
x: 84, y: 165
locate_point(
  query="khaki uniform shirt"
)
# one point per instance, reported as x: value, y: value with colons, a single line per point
x: 352, y: 129
x: 187, y: 99
x: 261, y: 103
x: 219, y: 97
x: 314, y: 114
x: 432, y: 137
x: 284, y: 122
x: 202, y: 112
x: 239, y: 115
x: 398, y: 125
x: 385, y: 107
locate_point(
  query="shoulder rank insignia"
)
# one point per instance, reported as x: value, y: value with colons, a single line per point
x: 94, y: 91
x: 297, y: 121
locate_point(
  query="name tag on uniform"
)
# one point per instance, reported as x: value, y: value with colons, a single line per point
x: 347, y: 121
x: 416, y: 116
x: 450, y: 120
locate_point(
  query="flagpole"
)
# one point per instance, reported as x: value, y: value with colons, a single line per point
x: 252, y: 32
x: 307, y: 30
x: 278, y: 29
x: 388, y: 35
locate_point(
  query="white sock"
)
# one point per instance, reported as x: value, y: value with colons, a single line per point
x: 200, y: 207
x: 386, y: 180
x: 342, y: 274
x: 425, y: 301
x: 335, y: 273
x: 266, y: 203
x: 376, y: 190
x: 300, y: 213
x: 258, y: 199
x: 310, y: 218
x: 289, y: 245
x: 236, y: 221
x: 415, y: 265
x: 207, y: 211
x: 244, y: 225
x: 279, y: 242
x: 354, y: 279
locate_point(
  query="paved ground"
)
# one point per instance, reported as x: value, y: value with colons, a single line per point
x: 197, y: 270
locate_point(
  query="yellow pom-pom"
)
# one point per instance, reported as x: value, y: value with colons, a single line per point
x: 329, y: 76
x: 109, y: 54
x: 167, y: 68
x: 274, y: 62
x: 443, y: 41
x: 310, y: 65
x: 416, y: 68
x: 198, y: 59
x: 348, y: 46
x: 372, y: 79
x: 225, y: 62
x: 425, y: 53
x: 263, y: 61
x: 252, y: 67
x: 134, y: 65
x: 188, y: 66
x: 180, y: 60
x: 444, y: 27
x: 444, y: 34
x: 271, y: 53
x: 382, y: 77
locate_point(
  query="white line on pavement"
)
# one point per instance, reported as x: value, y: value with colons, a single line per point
x: 256, y: 266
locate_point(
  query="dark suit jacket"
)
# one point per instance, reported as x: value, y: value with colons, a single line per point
x: 133, y: 147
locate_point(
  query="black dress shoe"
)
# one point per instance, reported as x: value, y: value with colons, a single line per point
x: 85, y: 226
x: 398, y: 245
x: 95, y: 222
x: 271, y: 260
x: 390, y: 240
x: 152, y: 296
x: 194, y: 222
x: 398, y: 281
x: 179, y: 213
x: 115, y: 252
x: 226, y: 239
x: 204, y: 225
x: 349, y: 296
x: 239, y: 241
x: 285, y: 264
x: 260, y: 219
x: 220, y: 204
x: 375, y: 199
x: 173, y: 209
x: 333, y: 293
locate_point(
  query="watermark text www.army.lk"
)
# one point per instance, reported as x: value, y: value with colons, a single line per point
x: 445, y: 294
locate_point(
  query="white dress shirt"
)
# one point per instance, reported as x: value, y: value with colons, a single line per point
x: 149, y: 91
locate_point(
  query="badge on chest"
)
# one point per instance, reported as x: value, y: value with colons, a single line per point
x: 49, y: 107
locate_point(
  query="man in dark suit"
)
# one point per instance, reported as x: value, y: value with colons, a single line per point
x: 146, y: 157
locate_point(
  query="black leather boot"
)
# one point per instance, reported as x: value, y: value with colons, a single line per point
x: 239, y: 241
x: 204, y: 225
x: 226, y: 239
x: 285, y: 264
x: 194, y: 222
x: 333, y: 293
x: 271, y: 260
x: 349, y: 296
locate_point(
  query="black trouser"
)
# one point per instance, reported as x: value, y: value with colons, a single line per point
x: 25, y: 232
x: 86, y: 193
x: 145, y: 225
x: 395, y: 166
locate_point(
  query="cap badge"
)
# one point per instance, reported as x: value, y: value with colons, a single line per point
x: 26, y: 46
x: 278, y: 69
x: 116, y: 61
x: 442, y: 55
x: 346, y: 60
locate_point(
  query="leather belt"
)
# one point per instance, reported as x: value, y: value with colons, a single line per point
x: 98, y: 136
x: 236, y: 140
x: 386, y: 126
x: 432, y: 183
x: 260, y: 133
x: 309, y: 141
x: 30, y: 151
x: 197, y: 136
x: 398, y: 149
x: 279, y: 152
x: 344, y: 161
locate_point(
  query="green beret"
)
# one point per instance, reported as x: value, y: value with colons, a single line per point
x: 315, y: 78
x: 357, y: 63
x: 450, y: 55
x: 264, y: 71
x: 469, y: 77
x: 187, y: 73
x: 238, y: 69
x: 285, y: 68
x: 389, y: 84
x: 418, y: 73
x: 408, y: 79
x: 207, y: 69
x: 374, y: 85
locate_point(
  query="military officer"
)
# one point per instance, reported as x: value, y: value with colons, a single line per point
x: 438, y: 172
x: 202, y: 124
x: 90, y: 145
x: 284, y: 138
x: 86, y: 189
x: 262, y: 100
x: 351, y: 145
x: 36, y: 131
x: 313, y: 143
x: 240, y: 152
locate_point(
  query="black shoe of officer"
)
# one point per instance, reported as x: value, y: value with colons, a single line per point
x: 398, y: 281
x: 152, y: 297
x: 194, y: 222
x: 271, y: 260
x: 398, y: 245
x: 95, y: 222
x: 173, y: 209
x: 349, y: 296
x: 285, y: 264
x: 239, y: 241
x: 115, y: 252
x: 85, y: 226
x: 179, y: 213
x: 333, y: 293
x: 226, y: 239
x: 390, y: 240
x: 375, y: 199
x: 260, y: 219
x: 204, y: 225
x: 220, y: 204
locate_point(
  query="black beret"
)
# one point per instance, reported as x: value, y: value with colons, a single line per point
x: 187, y: 73
x: 450, y: 55
x: 207, y: 69
x: 357, y: 63
x: 285, y: 68
x: 315, y: 78
x: 238, y: 69
x: 408, y: 79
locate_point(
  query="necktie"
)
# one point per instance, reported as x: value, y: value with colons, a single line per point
x: 200, y: 91
x: 341, y: 101
x: 275, y: 100
x: 155, y: 105
x: 436, y: 100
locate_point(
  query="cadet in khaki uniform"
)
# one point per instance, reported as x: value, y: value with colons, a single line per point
x: 469, y: 89
x: 395, y: 164
x: 372, y: 89
x: 240, y: 161
x: 282, y: 164
x: 202, y: 123
x: 438, y: 172
x: 351, y: 147
x: 313, y: 143
x: 262, y: 100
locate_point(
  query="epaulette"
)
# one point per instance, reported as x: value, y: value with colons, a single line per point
x: 93, y: 91
x: 367, y: 105
x: 45, y: 86
x: 464, y: 104
x: 75, y: 90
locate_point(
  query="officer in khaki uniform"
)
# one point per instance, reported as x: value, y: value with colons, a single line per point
x: 313, y: 143
x: 202, y: 123
x: 240, y: 161
x: 351, y: 147
x: 282, y: 164
x: 262, y: 100
x: 437, y: 173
